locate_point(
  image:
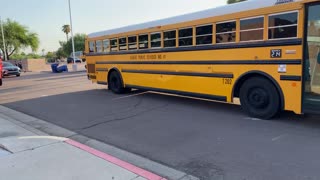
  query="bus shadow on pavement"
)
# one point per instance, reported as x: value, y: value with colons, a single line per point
x: 85, y: 105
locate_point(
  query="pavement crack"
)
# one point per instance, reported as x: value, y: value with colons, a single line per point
x: 124, y: 118
x: 38, y: 147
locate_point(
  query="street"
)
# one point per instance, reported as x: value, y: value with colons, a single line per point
x: 209, y: 140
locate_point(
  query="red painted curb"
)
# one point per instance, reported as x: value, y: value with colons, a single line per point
x: 141, y: 172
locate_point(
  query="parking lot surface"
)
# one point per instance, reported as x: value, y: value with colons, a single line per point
x: 209, y: 140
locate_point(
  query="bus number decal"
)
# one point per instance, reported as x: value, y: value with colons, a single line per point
x: 227, y: 81
x: 276, y: 53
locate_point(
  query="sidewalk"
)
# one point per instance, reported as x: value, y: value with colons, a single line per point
x: 26, y: 155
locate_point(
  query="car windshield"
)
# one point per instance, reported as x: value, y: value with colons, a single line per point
x: 7, y: 64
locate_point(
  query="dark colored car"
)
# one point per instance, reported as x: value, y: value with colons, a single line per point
x: 70, y: 60
x: 9, y: 69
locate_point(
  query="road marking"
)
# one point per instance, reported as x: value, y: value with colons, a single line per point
x: 44, y: 137
x: 279, y: 137
x: 312, y: 99
x: 130, y: 96
x: 253, y: 119
x: 188, y: 97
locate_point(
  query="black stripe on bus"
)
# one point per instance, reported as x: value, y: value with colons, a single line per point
x: 102, y: 83
x: 290, y: 78
x: 183, y: 93
x: 217, y: 75
x: 102, y: 70
x: 288, y: 42
x: 229, y: 62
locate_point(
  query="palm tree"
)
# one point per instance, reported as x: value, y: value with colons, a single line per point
x: 234, y: 1
x: 43, y: 50
x: 66, y: 29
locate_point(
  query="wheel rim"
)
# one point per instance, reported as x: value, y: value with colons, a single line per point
x: 258, y: 98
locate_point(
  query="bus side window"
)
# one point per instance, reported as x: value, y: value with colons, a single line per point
x: 156, y: 40
x: 169, y: 38
x: 91, y: 46
x: 226, y: 32
x: 106, y: 45
x: 143, y: 41
x: 204, y: 35
x: 114, y: 44
x: 185, y: 37
x: 132, y: 42
x: 283, y: 25
x: 123, y: 44
x: 99, y: 46
x: 251, y: 29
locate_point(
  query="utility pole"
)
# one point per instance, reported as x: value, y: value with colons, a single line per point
x: 74, y: 67
x: 4, y: 44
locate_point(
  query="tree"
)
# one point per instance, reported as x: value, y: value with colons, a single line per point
x: 79, y: 40
x: 60, y: 53
x: 234, y: 1
x: 66, y: 47
x: 18, y: 37
x: 66, y: 29
x: 50, y: 55
x: 21, y: 56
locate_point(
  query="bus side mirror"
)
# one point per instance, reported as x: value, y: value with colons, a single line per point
x: 318, y: 58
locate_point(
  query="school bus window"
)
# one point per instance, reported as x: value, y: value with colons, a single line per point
x: 99, y: 46
x: 170, y: 38
x: 226, y: 32
x: 251, y: 29
x: 283, y: 25
x: 123, y: 44
x: 204, y: 35
x: 155, y: 40
x: 132, y: 42
x: 91, y: 46
x: 114, y: 45
x: 106, y: 45
x: 185, y: 37
x: 143, y: 41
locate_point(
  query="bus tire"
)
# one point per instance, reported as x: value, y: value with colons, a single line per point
x: 115, y: 83
x: 260, y: 98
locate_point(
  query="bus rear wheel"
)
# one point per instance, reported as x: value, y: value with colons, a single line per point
x: 260, y: 98
x: 115, y: 83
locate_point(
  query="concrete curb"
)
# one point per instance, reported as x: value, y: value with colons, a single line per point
x: 44, y: 128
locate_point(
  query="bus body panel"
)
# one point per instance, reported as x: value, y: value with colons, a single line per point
x: 163, y: 76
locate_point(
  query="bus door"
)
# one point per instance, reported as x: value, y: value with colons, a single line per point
x: 312, y: 59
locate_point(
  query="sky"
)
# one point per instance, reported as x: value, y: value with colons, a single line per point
x: 46, y: 17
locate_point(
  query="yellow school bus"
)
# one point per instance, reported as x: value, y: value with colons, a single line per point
x: 263, y: 52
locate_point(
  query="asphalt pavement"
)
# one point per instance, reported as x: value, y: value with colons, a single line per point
x: 209, y: 140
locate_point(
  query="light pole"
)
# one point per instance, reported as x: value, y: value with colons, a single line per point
x: 74, y: 66
x: 4, y: 44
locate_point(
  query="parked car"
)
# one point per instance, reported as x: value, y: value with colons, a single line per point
x: 9, y: 69
x: 70, y: 60
x: 79, y: 55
